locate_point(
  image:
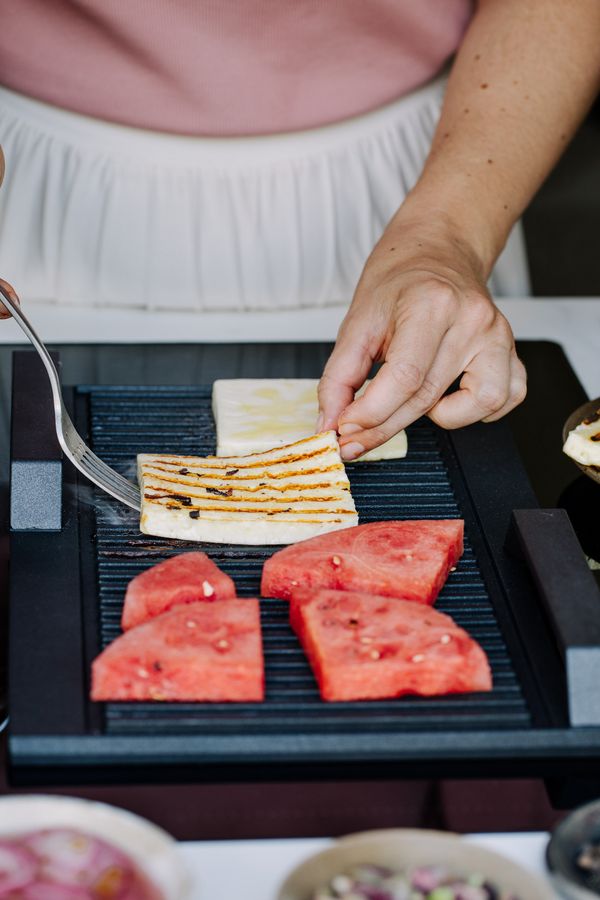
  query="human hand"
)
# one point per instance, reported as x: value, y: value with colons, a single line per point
x: 422, y: 308
x: 5, y: 286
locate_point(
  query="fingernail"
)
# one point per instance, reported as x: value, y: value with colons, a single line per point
x: 351, y: 451
x: 319, y: 425
x: 349, y: 428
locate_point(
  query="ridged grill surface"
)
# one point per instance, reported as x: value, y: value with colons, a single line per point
x: 125, y: 421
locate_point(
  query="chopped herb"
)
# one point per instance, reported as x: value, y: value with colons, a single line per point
x: 232, y: 472
x: 194, y: 514
x: 227, y: 493
x: 157, y: 666
x: 184, y: 472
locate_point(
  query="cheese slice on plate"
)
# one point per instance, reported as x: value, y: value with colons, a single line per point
x: 254, y: 414
x: 277, y: 497
x: 583, y: 443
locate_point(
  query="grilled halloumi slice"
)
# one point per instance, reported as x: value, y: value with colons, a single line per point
x: 583, y: 443
x: 276, y: 497
x: 254, y: 414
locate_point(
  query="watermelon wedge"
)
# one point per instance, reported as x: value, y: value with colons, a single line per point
x: 184, y: 578
x: 363, y: 647
x: 409, y: 559
x: 197, y: 652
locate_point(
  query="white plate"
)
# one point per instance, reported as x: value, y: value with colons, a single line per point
x: 151, y: 848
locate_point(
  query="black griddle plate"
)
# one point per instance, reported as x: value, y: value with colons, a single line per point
x: 84, y: 570
x: 417, y: 487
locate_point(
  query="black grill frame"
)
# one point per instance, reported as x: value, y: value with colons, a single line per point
x: 57, y: 731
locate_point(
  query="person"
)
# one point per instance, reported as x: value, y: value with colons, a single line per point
x: 249, y: 155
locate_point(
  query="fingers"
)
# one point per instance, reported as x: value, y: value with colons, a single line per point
x: 346, y: 370
x: 4, y: 313
x: 518, y: 389
x: 446, y: 367
x: 490, y: 387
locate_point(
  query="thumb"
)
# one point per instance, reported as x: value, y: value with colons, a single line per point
x: 345, y: 372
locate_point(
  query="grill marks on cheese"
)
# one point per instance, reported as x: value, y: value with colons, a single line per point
x: 304, y: 483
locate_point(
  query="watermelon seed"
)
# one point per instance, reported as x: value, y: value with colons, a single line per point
x: 157, y: 666
x: 143, y: 673
x: 207, y: 589
x: 445, y: 639
x: 336, y: 561
x: 223, y: 645
x: 419, y: 657
x: 190, y: 623
x: 295, y: 583
x: 408, y: 556
x: 453, y: 569
x: 366, y: 640
x: 374, y: 654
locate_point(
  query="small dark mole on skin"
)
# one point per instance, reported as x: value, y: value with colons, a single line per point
x: 563, y: 137
x: 515, y: 82
x: 527, y: 96
x: 490, y: 161
x: 502, y: 109
x: 446, y: 134
x: 392, y: 248
x: 478, y: 56
x: 483, y: 86
x: 466, y: 109
x: 505, y: 206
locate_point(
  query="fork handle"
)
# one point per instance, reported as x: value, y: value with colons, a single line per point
x: 26, y: 326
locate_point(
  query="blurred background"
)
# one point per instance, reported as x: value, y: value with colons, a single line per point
x: 562, y: 225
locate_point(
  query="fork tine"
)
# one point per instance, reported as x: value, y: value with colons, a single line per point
x: 109, y: 479
x: 107, y: 470
x: 128, y: 496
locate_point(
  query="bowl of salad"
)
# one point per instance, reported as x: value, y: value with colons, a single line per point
x: 66, y: 848
x: 410, y: 864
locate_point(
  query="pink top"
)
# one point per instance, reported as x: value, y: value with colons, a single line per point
x: 225, y: 67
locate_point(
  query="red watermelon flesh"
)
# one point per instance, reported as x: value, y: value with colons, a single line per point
x: 197, y: 652
x: 181, y: 579
x: 363, y: 647
x: 409, y: 559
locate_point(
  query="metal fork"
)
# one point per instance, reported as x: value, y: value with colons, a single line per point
x: 69, y: 439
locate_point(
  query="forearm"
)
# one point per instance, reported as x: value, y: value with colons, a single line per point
x: 523, y: 79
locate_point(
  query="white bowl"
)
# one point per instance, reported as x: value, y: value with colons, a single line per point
x: 401, y: 848
x: 151, y: 848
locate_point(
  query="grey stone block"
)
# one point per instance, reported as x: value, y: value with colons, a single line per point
x: 36, y: 495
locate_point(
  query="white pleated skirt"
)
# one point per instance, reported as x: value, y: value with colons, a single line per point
x: 94, y: 214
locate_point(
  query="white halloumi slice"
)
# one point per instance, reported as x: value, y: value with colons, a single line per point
x: 583, y: 443
x: 278, y: 496
x: 254, y: 414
